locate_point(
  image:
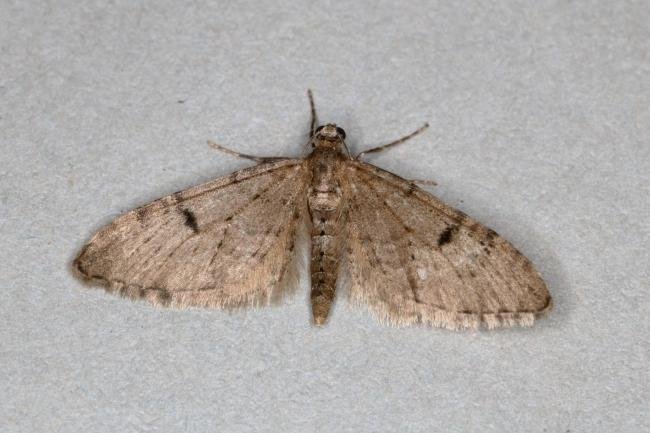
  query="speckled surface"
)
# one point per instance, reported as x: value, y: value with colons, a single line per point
x: 540, y: 124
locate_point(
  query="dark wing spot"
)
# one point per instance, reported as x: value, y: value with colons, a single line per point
x: 190, y: 220
x: 411, y: 189
x: 140, y: 214
x: 445, y: 236
x: 164, y: 297
x: 234, y: 178
x: 177, y: 197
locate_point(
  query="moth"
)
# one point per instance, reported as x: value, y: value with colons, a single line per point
x: 236, y: 241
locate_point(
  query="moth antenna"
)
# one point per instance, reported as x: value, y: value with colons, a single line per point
x: 424, y: 182
x: 260, y: 159
x: 345, y: 146
x: 312, y: 107
x: 393, y: 143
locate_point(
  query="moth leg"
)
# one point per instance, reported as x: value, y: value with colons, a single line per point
x: 312, y: 108
x: 424, y: 182
x: 393, y: 143
x: 223, y: 149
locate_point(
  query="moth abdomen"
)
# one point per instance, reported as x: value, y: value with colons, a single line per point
x: 325, y: 202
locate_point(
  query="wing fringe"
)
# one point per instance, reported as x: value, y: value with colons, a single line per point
x: 450, y: 320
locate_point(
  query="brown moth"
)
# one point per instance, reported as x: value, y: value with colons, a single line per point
x: 396, y: 249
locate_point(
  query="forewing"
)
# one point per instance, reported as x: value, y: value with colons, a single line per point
x: 411, y: 259
x: 225, y: 243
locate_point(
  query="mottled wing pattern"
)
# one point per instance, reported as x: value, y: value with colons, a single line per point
x: 411, y: 259
x: 226, y: 243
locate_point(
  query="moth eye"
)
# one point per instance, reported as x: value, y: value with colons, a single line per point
x: 318, y: 129
x: 340, y: 132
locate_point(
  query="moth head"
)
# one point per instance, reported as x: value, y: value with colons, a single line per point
x: 328, y: 135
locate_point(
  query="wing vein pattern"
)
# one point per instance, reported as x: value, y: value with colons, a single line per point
x: 205, y: 246
x: 417, y: 260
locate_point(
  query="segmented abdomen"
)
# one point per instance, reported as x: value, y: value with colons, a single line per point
x: 325, y: 208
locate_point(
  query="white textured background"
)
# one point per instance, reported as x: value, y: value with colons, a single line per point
x: 540, y: 128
